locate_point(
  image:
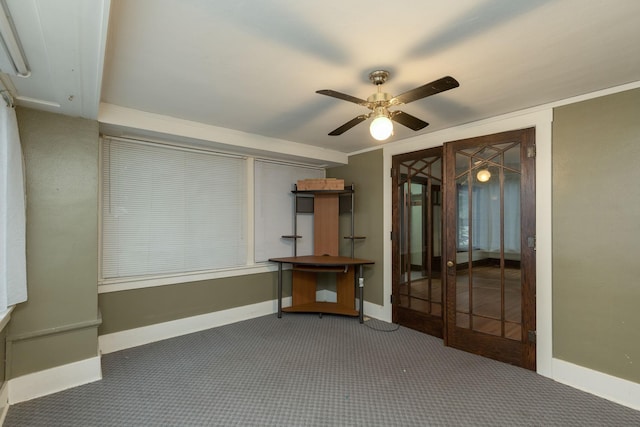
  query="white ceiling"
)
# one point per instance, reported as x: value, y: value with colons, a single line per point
x: 240, y: 69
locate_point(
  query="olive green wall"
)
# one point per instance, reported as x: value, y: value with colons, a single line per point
x: 61, y: 159
x: 365, y: 172
x: 142, y: 307
x: 596, y: 230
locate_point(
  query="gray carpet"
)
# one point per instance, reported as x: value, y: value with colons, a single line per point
x: 303, y: 370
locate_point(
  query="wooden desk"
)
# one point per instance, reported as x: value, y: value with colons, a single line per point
x: 303, y: 285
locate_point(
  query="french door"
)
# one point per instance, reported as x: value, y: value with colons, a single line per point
x: 470, y: 278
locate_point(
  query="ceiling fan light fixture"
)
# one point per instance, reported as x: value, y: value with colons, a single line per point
x: 381, y: 127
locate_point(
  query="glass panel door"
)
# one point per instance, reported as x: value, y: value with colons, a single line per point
x: 489, y: 280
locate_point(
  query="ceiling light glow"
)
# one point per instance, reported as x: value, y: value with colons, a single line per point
x: 381, y: 128
x: 483, y: 175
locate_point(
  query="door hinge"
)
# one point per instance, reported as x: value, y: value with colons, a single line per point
x: 391, y: 235
x: 531, y: 335
x: 531, y: 242
x: 531, y: 151
x: 391, y: 298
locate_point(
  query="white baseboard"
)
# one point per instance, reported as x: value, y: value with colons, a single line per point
x: 376, y: 311
x: 612, y: 388
x: 161, y: 331
x: 147, y: 334
x: 4, y: 401
x: 48, y: 381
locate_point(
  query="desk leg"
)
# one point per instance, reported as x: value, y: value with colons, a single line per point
x: 361, y: 294
x: 279, y: 290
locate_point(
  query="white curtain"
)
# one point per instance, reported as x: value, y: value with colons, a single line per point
x: 13, y: 268
x: 486, y: 215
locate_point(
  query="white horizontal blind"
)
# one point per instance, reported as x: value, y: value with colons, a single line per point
x: 274, y: 210
x: 13, y: 266
x: 169, y: 210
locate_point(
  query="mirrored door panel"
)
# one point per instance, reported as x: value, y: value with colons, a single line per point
x: 417, y: 254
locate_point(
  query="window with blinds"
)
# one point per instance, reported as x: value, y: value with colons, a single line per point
x: 169, y: 210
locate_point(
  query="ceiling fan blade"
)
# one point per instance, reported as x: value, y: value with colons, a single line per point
x: 408, y: 120
x: 351, y: 123
x: 423, y: 91
x: 343, y: 96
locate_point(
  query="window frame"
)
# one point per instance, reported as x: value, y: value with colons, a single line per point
x: 251, y: 266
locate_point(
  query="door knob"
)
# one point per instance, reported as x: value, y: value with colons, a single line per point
x: 450, y: 264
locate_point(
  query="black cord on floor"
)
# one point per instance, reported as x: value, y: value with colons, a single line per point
x: 382, y: 330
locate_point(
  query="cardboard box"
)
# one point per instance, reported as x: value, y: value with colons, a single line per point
x: 320, y: 184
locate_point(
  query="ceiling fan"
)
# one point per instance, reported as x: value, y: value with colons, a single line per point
x: 379, y: 103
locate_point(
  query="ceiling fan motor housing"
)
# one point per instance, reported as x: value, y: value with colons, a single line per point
x: 380, y: 111
x: 379, y: 98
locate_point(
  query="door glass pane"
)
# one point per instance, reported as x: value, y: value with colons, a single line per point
x: 404, y: 222
x: 435, y: 238
x: 485, y: 244
x: 415, y: 230
x: 421, y: 236
x: 512, y: 157
x: 418, y: 168
x: 463, y: 293
x: 512, y: 251
x: 488, y: 279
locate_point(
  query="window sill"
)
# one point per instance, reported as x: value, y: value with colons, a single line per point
x: 5, y: 316
x: 117, y: 285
